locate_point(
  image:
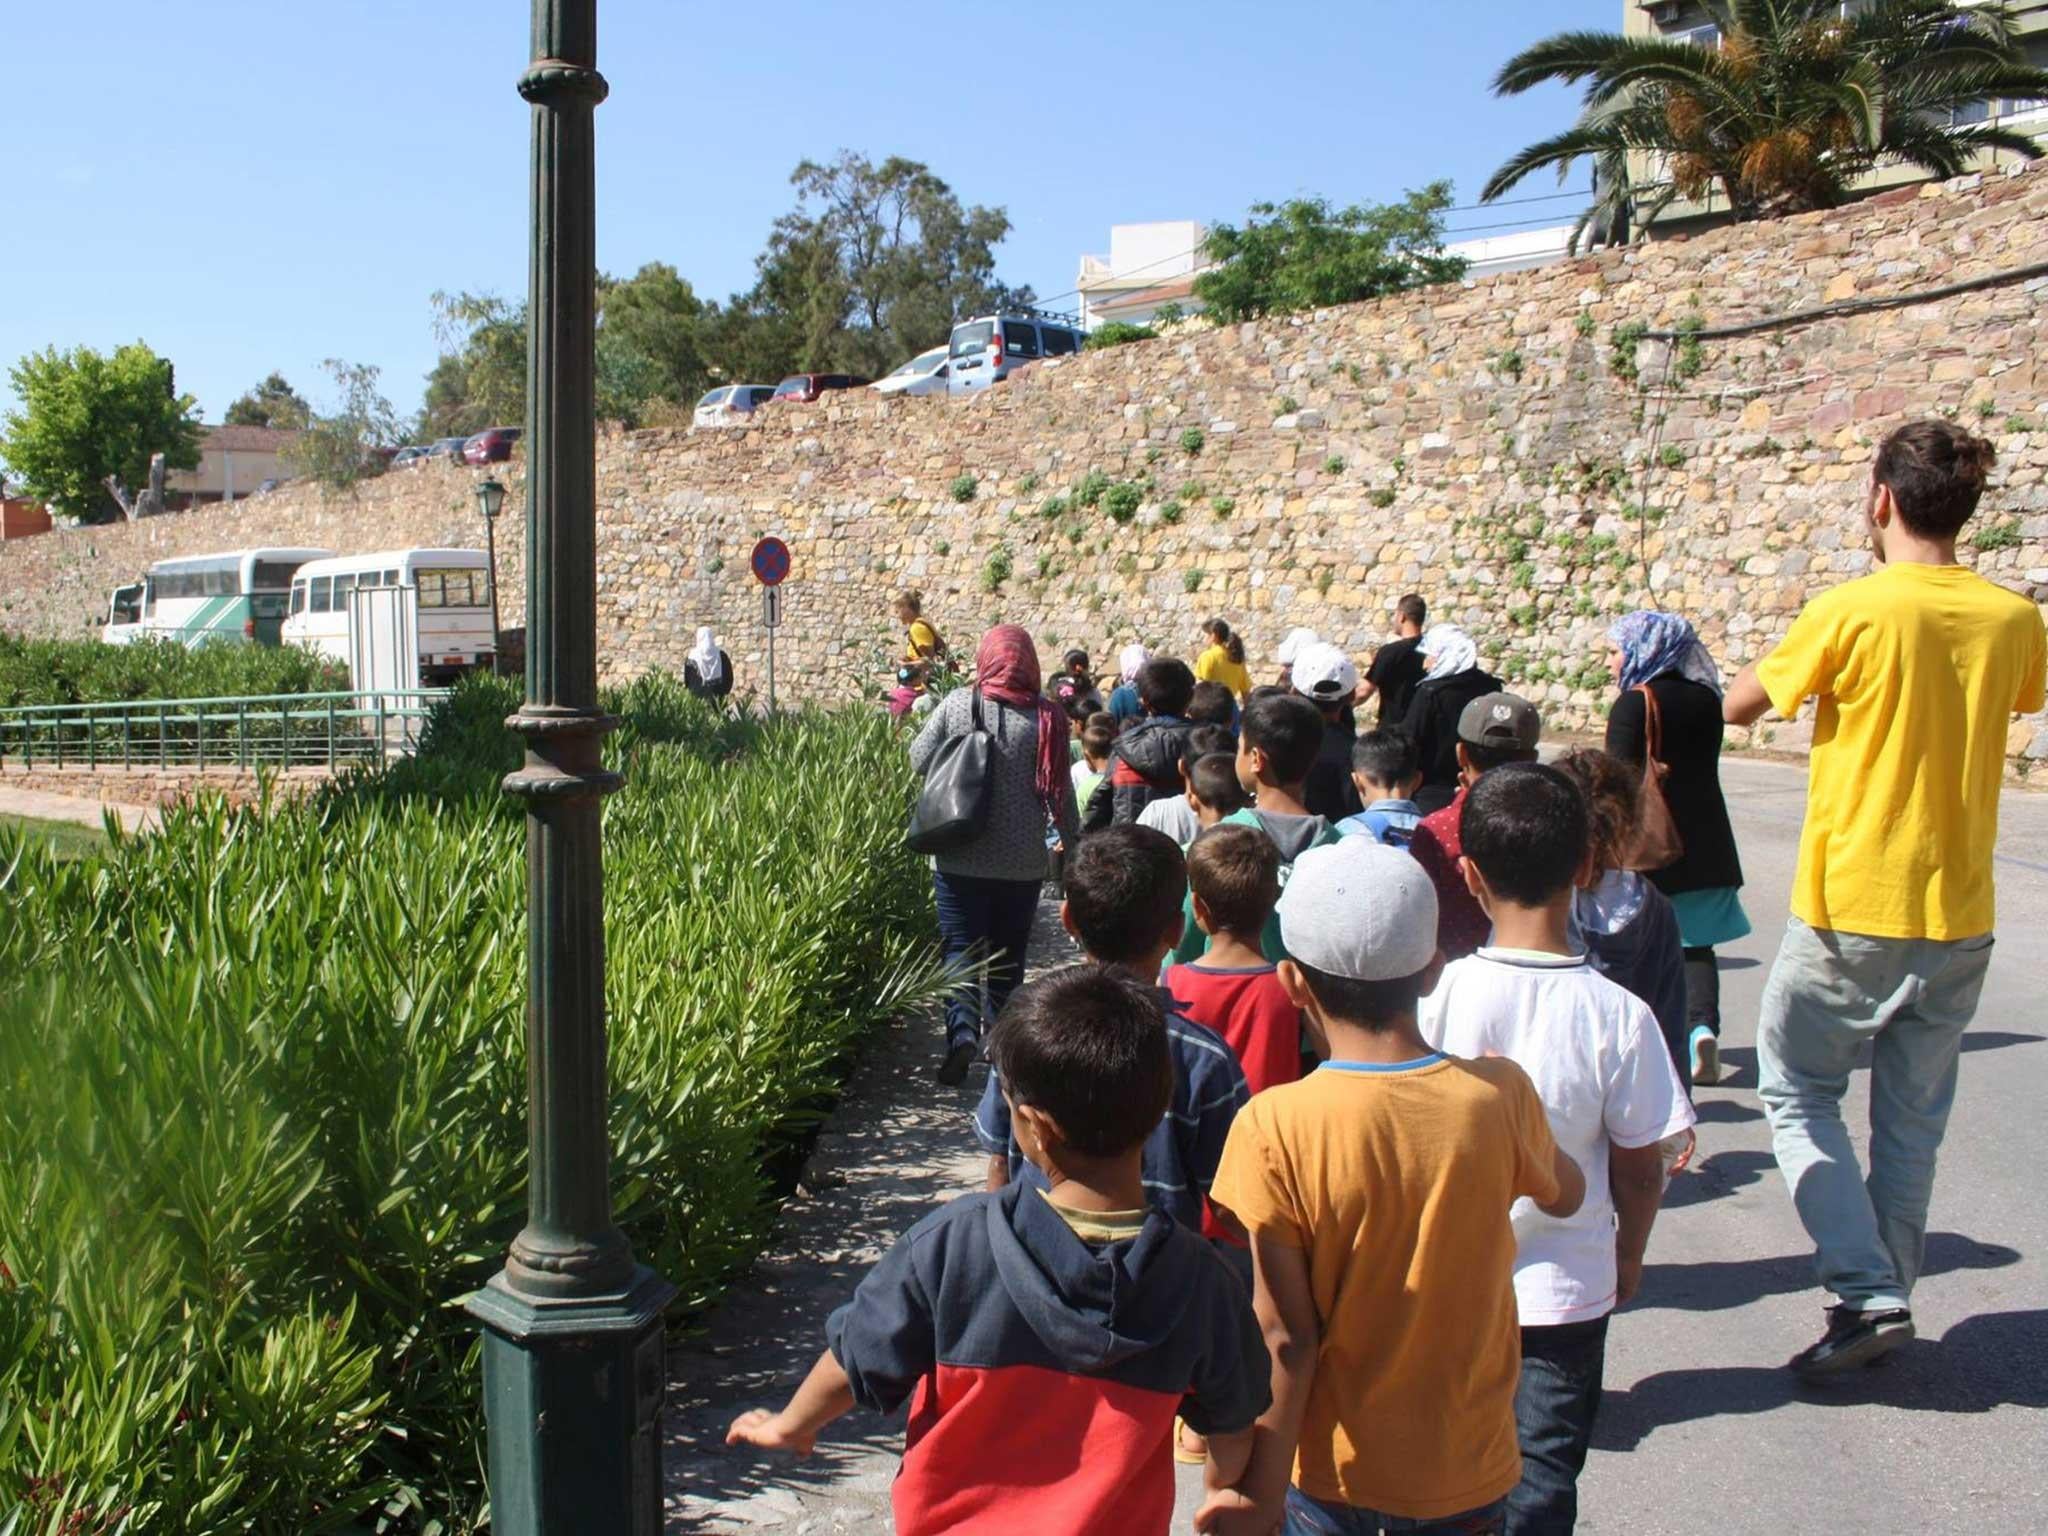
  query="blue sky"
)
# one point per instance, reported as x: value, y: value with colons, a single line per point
x: 254, y: 186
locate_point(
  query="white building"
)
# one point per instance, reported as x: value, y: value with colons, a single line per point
x: 1148, y: 266
x: 1515, y: 252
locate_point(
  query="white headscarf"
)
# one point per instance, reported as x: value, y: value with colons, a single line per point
x: 710, y: 663
x: 1296, y: 642
x: 1129, y: 661
x: 1451, y: 650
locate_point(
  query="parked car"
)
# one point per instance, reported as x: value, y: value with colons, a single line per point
x: 804, y: 388
x: 493, y: 445
x: 409, y: 458
x: 924, y: 374
x: 992, y: 347
x: 729, y: 405
x: 446, y: 448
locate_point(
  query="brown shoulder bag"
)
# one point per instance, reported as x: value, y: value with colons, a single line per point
x: 1657, y: 843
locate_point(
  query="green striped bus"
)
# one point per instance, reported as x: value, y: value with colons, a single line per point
x: 199, y: 599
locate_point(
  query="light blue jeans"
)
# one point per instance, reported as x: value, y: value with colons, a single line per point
x: 1911, y: 999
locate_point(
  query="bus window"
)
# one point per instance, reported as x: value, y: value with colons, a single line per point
x: 452, y: 587
x: 298, y: 597
x: 391, y: 579
x: 271, y: 575
x: 223, y: 581
x: 323, y: 594
x: 343, y: 585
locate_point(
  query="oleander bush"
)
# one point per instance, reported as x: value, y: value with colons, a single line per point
x: 92, y: 672
x: 262, y: 1099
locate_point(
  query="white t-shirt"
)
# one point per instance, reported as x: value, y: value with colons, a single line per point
x: 1604, y: 1075
x: 1173, y: 816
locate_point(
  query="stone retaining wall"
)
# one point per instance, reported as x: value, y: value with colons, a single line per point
x: 168, y: 786
x: 1502, y: 447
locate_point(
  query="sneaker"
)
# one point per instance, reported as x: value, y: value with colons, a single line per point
x: 1706, y: 1056
x: 1854, y: 1339
x: 953, y: 1070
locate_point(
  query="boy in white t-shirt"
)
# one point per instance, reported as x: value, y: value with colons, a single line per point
x: 1608, y: 1085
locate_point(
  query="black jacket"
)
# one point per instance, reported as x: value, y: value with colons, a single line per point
x: 1330, y: 792
x: 1144, y: 766
x: 694, y: 680
x: 1691, y: 714
x: 1433, y: 722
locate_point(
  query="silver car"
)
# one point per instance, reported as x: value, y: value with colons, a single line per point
x: 729, y: 405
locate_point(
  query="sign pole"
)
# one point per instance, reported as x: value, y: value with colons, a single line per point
x: 770, y: 563
x: 769, y: 596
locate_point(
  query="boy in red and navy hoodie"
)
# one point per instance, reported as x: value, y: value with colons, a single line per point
x: 1046, y: 1335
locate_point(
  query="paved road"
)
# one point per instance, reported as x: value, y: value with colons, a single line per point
x: 1702, y: 1430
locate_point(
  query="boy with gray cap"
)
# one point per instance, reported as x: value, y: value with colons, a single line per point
x: 1376, y: 1194
x: 1493, y: 729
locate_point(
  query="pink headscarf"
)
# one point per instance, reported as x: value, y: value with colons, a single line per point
x: 1006, y: 669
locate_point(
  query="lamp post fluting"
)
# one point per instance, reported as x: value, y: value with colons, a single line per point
x: 573, y: 1359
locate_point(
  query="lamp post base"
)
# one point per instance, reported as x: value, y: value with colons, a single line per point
x: 572, y: 1393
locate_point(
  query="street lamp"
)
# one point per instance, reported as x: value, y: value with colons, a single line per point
x: 573, y: 1362
x: 490, y: 501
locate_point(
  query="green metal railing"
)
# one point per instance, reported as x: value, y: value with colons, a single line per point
x: 285, y: 730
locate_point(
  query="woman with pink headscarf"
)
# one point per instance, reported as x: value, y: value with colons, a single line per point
x: 988, y: 889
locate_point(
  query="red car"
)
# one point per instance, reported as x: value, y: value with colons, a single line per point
x: 491, y: 446
x: 804, y: 388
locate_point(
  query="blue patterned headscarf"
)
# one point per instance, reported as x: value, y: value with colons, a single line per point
x: 1652, y: 644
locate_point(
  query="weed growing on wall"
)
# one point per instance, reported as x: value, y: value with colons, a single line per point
x: 963, y: 488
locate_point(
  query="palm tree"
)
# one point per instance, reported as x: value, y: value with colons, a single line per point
x: 1796, y: 104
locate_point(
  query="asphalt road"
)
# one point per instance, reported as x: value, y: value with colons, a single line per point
x: 1702, y: 1430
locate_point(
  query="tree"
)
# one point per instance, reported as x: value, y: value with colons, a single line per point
x: 874, y: 264
x: 480, y: 379
x: 1796, y: 103
x: 339, y: 449
x: 1304, y: 254
x: 84, y: 416
x: 273, y: 403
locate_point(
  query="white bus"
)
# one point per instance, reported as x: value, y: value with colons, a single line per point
x: 198, y: 599
x: 454, y: 596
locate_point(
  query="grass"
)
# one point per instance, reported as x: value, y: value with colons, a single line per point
x: 64, y: 839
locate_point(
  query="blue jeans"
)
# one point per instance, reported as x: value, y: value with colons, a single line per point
x: 1911, y: 999
x: 982, y: 917
x: 1556, y: 1400
x: 1312, y: 1517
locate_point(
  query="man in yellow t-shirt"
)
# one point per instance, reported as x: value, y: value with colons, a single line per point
x: 1376, y: 1192
x: 1918, y: 669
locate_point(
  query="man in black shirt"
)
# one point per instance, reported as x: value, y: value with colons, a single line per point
x: 1397, y: 666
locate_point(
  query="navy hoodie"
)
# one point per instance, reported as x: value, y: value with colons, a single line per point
x: 1044, y: 1372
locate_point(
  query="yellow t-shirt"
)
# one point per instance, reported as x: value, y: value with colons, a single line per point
x: 1215, y: 666
x: 922, y: 642
x: 1396, y: 1183
x: 1919, y: 669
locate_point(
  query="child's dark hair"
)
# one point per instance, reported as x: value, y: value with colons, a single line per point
x: 1076, y: 661
x: 1098, y: 736
x: 1370, y: 1005
x: 1610, y: 787
x: 1524, y: 826
x: 1413, y: 609
x: 1289, y: 730
x: 1165, y: 684
x: 1936, y: 472
x: 1124, y: 891
x: 912, y: 599
x: 1386, y: 756
x: 1082, y: 705
x: 1266, y: 691
x: 1203, y: 740
x: 1234, y: 871
x: 1223, y: 635
x: 1213, y: 780
x: 1212, y: 704
x: 1087, y: 1046
x: 1486, y: 759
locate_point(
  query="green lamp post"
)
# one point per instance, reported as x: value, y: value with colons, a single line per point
x: 490, y: 500
x: 573, y: 1361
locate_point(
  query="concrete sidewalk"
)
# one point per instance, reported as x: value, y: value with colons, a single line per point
x: 39, y: 805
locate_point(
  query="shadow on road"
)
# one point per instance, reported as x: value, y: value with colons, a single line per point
x: 1720, y: 1285
x: 1997, y: 1039
x: 1720, y: 1174
x: 1980, y: 1364
x: 1726, y: 1111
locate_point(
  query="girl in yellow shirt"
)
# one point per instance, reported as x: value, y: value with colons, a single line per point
x: 1222, y: 661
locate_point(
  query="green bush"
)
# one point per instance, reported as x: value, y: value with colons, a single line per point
x: 1116, y: 333
x: 1222, y: 506
x: 1191, y: 441
x: 1090, y: 490
x: 995, y: 570
x: 1121, y: 501
x: 262, y: 1098
x: 962, y: 488
x: 92, y: 672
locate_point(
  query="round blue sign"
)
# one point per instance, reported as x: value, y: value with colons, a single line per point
x: 771, y: 562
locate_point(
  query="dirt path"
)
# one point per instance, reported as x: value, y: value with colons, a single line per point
x: 897, y: 1145
x: 39, y: 805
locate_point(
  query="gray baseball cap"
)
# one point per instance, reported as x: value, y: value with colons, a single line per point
x: 1360, y: 909
x: 1501, y: 720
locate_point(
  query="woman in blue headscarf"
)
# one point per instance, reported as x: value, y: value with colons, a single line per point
x: 1657, y: 658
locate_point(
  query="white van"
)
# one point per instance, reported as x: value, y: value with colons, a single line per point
x: 992, y: 347
x: 454, y: 596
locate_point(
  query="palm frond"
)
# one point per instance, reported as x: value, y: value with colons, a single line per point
x: 1566, y: 58
x: 1560, y: 150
